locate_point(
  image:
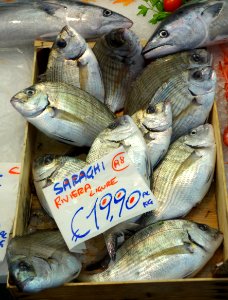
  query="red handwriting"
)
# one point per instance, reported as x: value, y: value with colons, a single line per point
x: 118, y: 162
x: 14, y: 171
x: 101, y: 188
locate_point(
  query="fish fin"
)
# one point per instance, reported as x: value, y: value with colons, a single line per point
x: 213, y: 10
x: 210, y: 174
x: 50, y: 7
x: 111, y: 243
x: 64, y: 116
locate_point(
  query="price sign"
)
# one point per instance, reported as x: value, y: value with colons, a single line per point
x: 98, y: 197
x: 9, y: 179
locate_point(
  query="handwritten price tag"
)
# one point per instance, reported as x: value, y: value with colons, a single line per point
x: 98, y: 197
x: 9, y: 179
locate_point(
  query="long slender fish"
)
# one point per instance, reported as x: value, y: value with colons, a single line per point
x: 159, y: 72
x: 184, y: 176
x: 72, y: 61
x: 196, y: 24
x: 23, y: 21
x: 155, y: 123
x: 63, y: 112
x: 41, y: 260
x: 50, y: 168
x: 166, y: 250
x: 120, y: 59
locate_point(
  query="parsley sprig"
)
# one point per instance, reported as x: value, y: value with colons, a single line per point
x: 156, y: 6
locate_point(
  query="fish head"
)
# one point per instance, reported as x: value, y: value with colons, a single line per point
x: 30, y: 274
x: 45, y: 165
x: 122, y: 42
x: 31, y: 101
x: 204, y: 236
x: 200, y: 137
x: 70, y: 44
x: 201, y: 81
x: 155, y: 117
x: 198, y: 57
x: 120, y: 129
x: 182, y: 30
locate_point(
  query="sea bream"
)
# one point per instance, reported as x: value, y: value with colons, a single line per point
x: 72, y: 61
x: 41, y: 260
x: 23, y: 21
x: 120, y: 59
x: 184, y: 177
x: 155, y: 123
x: 158, y: 73
x: 196, y: 24
x: 166, y: 250
x: 63, y: 112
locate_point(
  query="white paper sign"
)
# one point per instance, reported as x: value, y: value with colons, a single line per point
x: 9, y: 179
x: 98, y: 197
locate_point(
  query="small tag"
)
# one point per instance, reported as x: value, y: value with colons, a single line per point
x: 98, y: 197
x: 9, y: 179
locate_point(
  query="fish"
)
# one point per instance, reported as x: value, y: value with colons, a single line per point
x: 158, y: 74
x: 41, y: 260
x: 72, y: 61
x: 48, y: 169
x: 23, y: 21
x: 63, y: 112
x: 119, y: 56
x: 184, y: 177
x: 123, y: 132
x: 221, y: 270
x: 170, y: 249
x: 155, y: 123
x: 177, y: 32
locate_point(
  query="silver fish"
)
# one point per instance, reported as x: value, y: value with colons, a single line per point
x: 119, y: 56
x: 50, y: 168
x: 184, y: 177
x: 123, y: 132
x: 24, y: 21
x: 166, y: 250
x: 41, y: 260
x: 159, y: 72
x: 193, y: 25
x: 73, y: 62
x: 63, y: 112
x: 155, y: 123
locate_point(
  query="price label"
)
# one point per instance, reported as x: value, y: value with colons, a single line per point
x: 9, y: 179
x: 98, y: 197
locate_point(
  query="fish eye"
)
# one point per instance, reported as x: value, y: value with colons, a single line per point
x: 193, y: 132
x: 197, y: 75
x: 23, y: 266
x: 163, y: 33
x: 48, y: 159
x: 61, y: 43
x: 150, y: 109
x: 203, y: 227
x: 196, y: 57
x: 30, y: 92
x: 107, y: 12
x: 113, y: 125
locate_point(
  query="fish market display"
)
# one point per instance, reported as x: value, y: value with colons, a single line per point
x: 24, y: 21
x: 155, y: 123
x: 123, y: 132
x: 50, y: 168
x: 119, y: 56
x: 158, y: 74
x: 184, y: 176
x: 63, y: 112
x: 41, y: 260
x: 193, y: 25
x: 165, y: 250
x: 73, y: 62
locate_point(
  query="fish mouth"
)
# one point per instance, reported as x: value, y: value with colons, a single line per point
x: 27, y: 113
x: 155, y: 129
x: 153, y: 52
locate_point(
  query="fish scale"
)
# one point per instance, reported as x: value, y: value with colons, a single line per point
x: 165, y: 250
x: 184, y: 176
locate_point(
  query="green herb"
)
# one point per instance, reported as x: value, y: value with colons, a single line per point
x: 156, y: 6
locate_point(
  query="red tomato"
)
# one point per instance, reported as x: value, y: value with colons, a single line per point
x: 225, y: 136
x: 172, y: 5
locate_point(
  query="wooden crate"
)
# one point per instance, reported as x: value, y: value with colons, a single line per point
x: 213, y: 211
